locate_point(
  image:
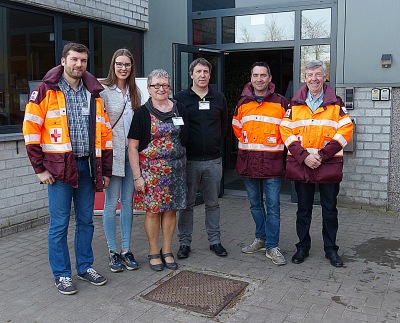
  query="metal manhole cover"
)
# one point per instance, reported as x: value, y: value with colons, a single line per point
x: 197, y: 292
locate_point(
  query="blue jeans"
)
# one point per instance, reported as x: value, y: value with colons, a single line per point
x: 267, y: 223
x: 122, y: 187
x: 60, y: 200
x: 204, y: 175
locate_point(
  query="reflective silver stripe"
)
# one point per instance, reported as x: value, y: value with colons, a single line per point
x: 32, y: 138
x: 312, y: 150
x: 315, y: 151
x: 53, y: 114
x: 33, y: 118
x: 338, y: 137
x: 56, y: 147
x: 98, y: 152
x: 344, y: 121
x: 309, y: 122
x: 259, y: 118
x: 290, y: 140
x: 261, y: 147
x: 102, y: 120
x: 236, y: 123
x: 285, y: 123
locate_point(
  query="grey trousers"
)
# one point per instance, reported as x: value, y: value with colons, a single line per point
x: 206, y: 176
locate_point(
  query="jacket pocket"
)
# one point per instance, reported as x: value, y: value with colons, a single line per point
x: 330, y: 171
x: 241, y: 163
x: 55, y: 165
x: 296, y: 171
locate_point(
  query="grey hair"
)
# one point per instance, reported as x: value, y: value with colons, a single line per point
x: 315, y: 64
x: 159, y: 72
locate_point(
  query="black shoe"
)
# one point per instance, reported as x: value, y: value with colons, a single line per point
x: 170, y: 265
x: 219, y: 250
x: 183, y: 252
x: 334, y: 258
x: 299, y: 256
x: 156, y: 267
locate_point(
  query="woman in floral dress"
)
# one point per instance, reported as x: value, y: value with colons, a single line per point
x: 157, y: 156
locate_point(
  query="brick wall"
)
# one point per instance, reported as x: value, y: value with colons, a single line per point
x: 366, y: 170
x: 23, y: 200
x: 130, y: 13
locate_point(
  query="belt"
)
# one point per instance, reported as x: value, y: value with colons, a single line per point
x: 82, y: 158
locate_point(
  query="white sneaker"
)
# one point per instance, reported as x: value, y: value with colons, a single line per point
x: 275, y: 255
x: 256, y: 245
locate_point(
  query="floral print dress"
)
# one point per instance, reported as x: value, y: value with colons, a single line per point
x: 163, y: 167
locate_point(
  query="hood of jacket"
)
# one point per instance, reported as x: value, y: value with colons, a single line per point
x: 91, y: 83
x: 248, y: 93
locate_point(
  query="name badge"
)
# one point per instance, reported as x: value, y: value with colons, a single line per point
x: 85, y: 111
x: 204, y: 105
x: 177, y: 121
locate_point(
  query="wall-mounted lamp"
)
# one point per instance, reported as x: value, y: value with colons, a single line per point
x: 386, y: 60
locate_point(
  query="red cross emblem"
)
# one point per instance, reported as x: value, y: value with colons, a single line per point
x: 55, y: 134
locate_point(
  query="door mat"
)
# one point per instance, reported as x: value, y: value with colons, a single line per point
x: 197, y: 292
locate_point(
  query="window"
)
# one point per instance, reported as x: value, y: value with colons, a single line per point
x: 204, y: 31
x: 316, y: 23
x: 27, y: 54
x: 28, y: 51
x: 204, y: 5
x: 258, y: 28
x: 320, y: 52
x: 107, y: 40
x: 75, y: 30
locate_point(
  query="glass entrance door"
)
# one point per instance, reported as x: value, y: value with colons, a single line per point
x: 183, y: 55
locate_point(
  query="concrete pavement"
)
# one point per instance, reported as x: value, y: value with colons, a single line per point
x: 366, y: 289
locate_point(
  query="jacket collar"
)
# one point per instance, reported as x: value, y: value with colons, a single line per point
x: 52, y: 78
x: 301, y: 96
x: 248, y: 93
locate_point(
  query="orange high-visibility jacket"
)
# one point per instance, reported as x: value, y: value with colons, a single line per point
x: 256, y: 125
x: 46, y: 131
x: 325, y: 132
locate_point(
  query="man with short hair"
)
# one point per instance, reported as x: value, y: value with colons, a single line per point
x: 260, y: 157
x: 315, y: 131
x: 207, y: 126
x: 68, y: 141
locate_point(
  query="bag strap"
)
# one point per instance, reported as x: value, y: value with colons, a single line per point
x: 120, y: 115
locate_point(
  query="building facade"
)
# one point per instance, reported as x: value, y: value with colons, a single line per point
x: 32, y: 35
x: 361, y: 60
x: 361, y: 57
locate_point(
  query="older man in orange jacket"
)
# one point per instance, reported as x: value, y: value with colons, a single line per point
x: 315, y: 130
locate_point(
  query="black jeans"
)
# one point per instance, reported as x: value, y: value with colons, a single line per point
x: 328, y: 196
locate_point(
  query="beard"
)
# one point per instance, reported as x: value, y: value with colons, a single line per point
x: 74, y: 73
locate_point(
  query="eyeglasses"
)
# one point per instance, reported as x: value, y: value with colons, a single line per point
x: 157, y: 86
x: 121, y: 65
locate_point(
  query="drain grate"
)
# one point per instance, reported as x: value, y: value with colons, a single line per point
x: 197, y: 292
